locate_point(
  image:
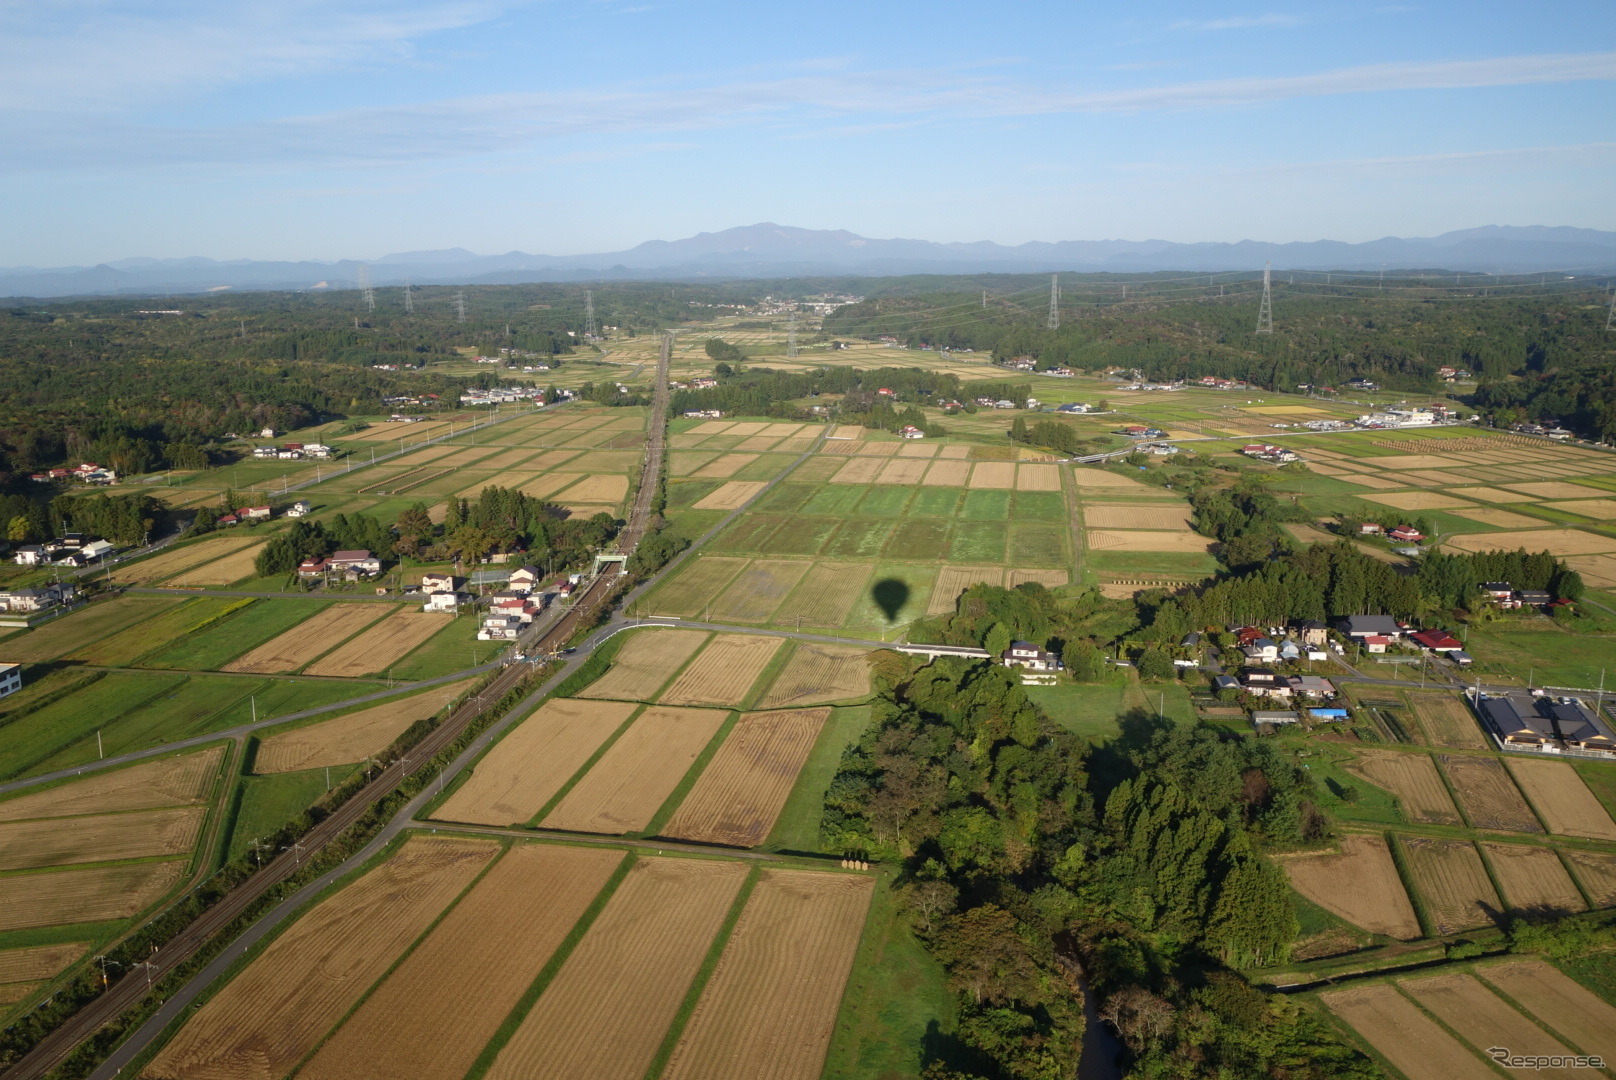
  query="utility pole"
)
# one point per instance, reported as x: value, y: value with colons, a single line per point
x: 364, y: 286
x: 460, y: 305
x: 1265, y: 313
x: 1054, y: 302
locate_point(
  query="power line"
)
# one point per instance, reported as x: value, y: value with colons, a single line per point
x: 364, y: 286
x: 1054, y: 302
x: 1265, y: 312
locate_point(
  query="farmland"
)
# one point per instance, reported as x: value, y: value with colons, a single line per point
x: 1360, y: 884
x: 739, y: 795
x: 26, y: 845
x: 1562, y: 799
x: 385, y: 641
x: 352, y: 737
x: 1404, y: 1035
x: 646, y: 662
x: 818, y: 673
x: 93, y: 894
x: 1532, y: 879
x: 723, y: 672
x: 323, y: 631
x: 176, y: 781
x: 1487, y: 794
x: 1413, y: 779
x: 1559, y: 1003
x: 1448, y: 722
x: 1452, y: 883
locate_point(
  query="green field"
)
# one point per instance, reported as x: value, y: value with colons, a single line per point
x: 266, y: 803
x: 127, y: 646
x: 454, y: 648
x: 798, y: 826
x: 235, y: 634
x: 1550, y: 656
x: 70, y: 633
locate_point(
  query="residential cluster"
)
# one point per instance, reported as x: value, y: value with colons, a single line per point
x: 87, y: 473
x: 294, y: 451
x: 504, y: 395
x: 69, y: 549
x: 39, y: 598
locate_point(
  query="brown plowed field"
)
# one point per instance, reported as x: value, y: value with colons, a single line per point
x: 1533, y: 880
x: 1360, y: 884
x: 725, y: 467
x: 902, y: 471
x: 1049, y: 579
x: 175, y: 781
x: 1404, y: 1035
x: 263, y: 1022
x: 609, y: 1007
x: 859, y: 470
x: 310, y: 638
x: 434, y: 1014
x: 600, y: 489
x: 383, y: 644
x: 1489, y: 797
x: 1452, y: 882
x: 1564, y: 801
x: 644, y: 664
x: 1483, y: 1019
x: 1038, y: 478
x: 1172, y: 516
x: 724, y: 671
x: 947, y: 474
x: 827, y: 594
x: 1448, y: 722
x: 636, y: 775
x: 232, y: 567
x: 769, y: 1008
x: 350, y: 738
x: 27, y: 845
x: 1187, y: 543
x: 72, y: 896
x: 525, y: 769
x: 732, y: 495
x: 993, y: 474
x: 953, y: 580
x: 739, y: 795
x: 759, y: 589
x: 1559, y: 1003
x: 1413, y: 779
x: 172, y: 562
x: 1596, y: 871
x: 818, y: 673
x: 39, y: 961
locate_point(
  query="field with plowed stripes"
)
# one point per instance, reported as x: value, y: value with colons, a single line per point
x: 739, y: 794
x: 175, y: 781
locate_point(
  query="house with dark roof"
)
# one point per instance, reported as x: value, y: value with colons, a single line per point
x: 1362, y: 626
x: 1027, y: 655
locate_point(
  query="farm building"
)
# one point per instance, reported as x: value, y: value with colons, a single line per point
x: 313, y: 567
x: 10, y: 679
x: 298, y: 509
x: 1547, y: 725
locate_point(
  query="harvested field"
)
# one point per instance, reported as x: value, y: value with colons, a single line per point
x: 732, y: 496
x: 1562, y: 800
x: 1596, y: 871
x: 749, y: 427
x: 948, y: 474
x: 1503, y: 519
x: 91, y: 895
x: 1488, y: 796
x: 958, y: 451
x: 724, y: 672
x: 827, y: 594
x: 421, y: 1022
x: 758, y: 590
x: 993, y: 474
x: 1414, y: 780
x: 1308, y: 534
x: 902, y: 471
x: 740, y: 793
x: 819, y: 673
x: 350, y: 738
x: 592, y: 1022
x: 645, y: 663
x: 1418, y: 500
x: 232, y: 567
x: 1533, y: 880
x: 170, y: 563
x: 1448, y: 722
x: 270, y: 1016
x: 551, y: 458
x: 1038, y: 478
x: 1559, y: 1003
x: 918, y: 450
x: 550, y: 483
x: 1452, y: 882
x: 1405, y: 1036
x: 175, y: 781
x: 1601, y: 509
x: 860, y: 470
x: 1599, y: 570
x: 606, y: 488
x: 1555, y: 541
x: 632, y: 780
x: 1554, y: 489
x: 770, y: 1007
x: 726, y: 466
x: 1182, y: 542
x: 953, y: 580
x: 28, y: 845
x: 526, y: 768
x: 1049, y: 579
x: 1379, y: 483
x: 39, y: 961
x: 310, y: 638
x: 1481, y: 1017
x: 381, y: 645
x: 694, y: 586
x: 1174, y: 516
x: 1360, y: 884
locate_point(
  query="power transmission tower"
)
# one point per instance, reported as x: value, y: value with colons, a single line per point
x: 1265, y: 313
x: 1610, y: 319
x: 1054, y: 302
x: 791, y: 336
x: 364, y: 286
x: 984, y: 299
x: 409, y: 299
x: 589, y: 315
x: 460, y: 305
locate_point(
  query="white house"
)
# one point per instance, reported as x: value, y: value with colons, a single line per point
x: 500, y: 628
x: 10, y: 679
x: 1027, y: 655
x: 438, y: 583
x: 29, y: 555
x: 444, y: 601
x: 524, y: 580
x: 298, y: 509
x: 360, y: 561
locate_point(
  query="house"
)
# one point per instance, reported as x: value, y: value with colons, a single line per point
x: 1312, y: 632
x: 1074, y: 408
x: 254, y: 513
x: 1311, y: 686
x: 1463, y: 659
x: 1438, y: 641
x: 499, y: 628
x: 1375, y: 643
x: 1501, y: 593
x: 1004, y: 403
x: 1027, y: 655
x: 298, y: 509
x: 1289, y: 651
x: 1406, y: 534
x: 265, y: 451
x: 1531, y: 597
x: 40, y: 599
x: 354, y: 562
x: 1262, y: 650
x: 311, y: 567
x: 1225, y: 682
x: 1245, y: 635
x: 10, y: 679
x: 524, y: 580
x: 267, y: 433
x: 229, y: 519
x: 1262, y: 682
x: 1361, y: 626
x: 97, y: 549
x: 438, y: 583
x: 316, y: 450
x: 1370, y: 528
x: 909, y: 431
x: 29, y: 555
x: 444, y: 601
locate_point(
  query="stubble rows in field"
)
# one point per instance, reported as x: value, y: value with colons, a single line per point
x: 740, y: 793
x: 1487, y: 794
x: 175, y: 781
x: 233, y: 567
x: 645, y: 663
x: 819, y: 673
x: 1481, y: 1017
x: 172, y: 562
x: 1414, y: 780
x: 1559, y: 1003
x: 1452, y: 882
x: 1563, y: 800
x: 1404, y: 1035
x: 723, y: 672
x: 1447, y: 722
x: 350, y: 738
x: 99, y: 838
x: 631, y: 781
x: 315, y: 635
x: 1360, y: 884
x: 1533, y: 880
x: 93, y: 894
x: 382, y: 644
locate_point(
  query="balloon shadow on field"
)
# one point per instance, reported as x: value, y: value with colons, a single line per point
x: 890, y: 595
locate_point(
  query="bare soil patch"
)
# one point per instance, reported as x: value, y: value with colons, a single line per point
x: 1533, y: 880
x: 525, y: 769
x: 919, y: 450
x: 1561, y: 798
x: 819, y: 673
x: 175, y: 781
x: 1175, y: 516
x: 1379, y: 483
x: 739, y: 795
x: 758, y: 590
x: 381, y: 645
x: 1360, y: 884
x: 350, y: 738
x: 26, y: 845
x: 313, y: 636
x: 1038, y: 478
x: 993, y: 474
x: 1452, y: 882
x: 270, y: 1016
x: 1490, y: 799
x: 1111, y: 539
x: 1414, y: 780
x: 1596, y: 871
x: 1559, y: 1003
x: 636, y: 775
x: 1481, y: 1017
x: 953, y: 580
x: 1308, y: 534
x: 770, y: 1007
x: 1404, y: 1035
x: 724, y: 671
x: 646, y: 662
x: 732, y: 496
x: 827, y: 594
x: 424, y: 1022
x: 1448, y: 722
x: 594, y: 1023
x: 950, y: 473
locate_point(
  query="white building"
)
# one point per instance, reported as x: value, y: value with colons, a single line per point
x: 10, y: 679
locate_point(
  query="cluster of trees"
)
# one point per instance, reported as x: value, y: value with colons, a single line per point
x: 126, y: 520
x: 722, y: 352
x: 308, y: 539
x: 1023, y: 865
x: 762, y: 392
x: 1452, y: 580
x: 1245, y: 519
x: 1055, y: 435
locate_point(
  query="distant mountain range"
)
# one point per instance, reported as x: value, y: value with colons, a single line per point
x: 772, y: 251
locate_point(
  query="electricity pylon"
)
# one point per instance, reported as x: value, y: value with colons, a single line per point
x: 1054, y: 302
x: 1265, y: 313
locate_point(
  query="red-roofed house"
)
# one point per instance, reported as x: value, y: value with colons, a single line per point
x: 1436, y: 640
x: 1406, y: 534
x: 1375, y: 643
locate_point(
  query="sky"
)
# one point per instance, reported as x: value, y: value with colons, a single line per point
x: 355, y: 128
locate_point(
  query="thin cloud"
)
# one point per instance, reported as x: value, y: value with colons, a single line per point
x: 1239, y: 22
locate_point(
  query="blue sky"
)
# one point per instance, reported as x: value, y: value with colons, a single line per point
x: 353, y: 128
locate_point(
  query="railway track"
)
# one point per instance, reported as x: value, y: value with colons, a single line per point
x: 128, y: 991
